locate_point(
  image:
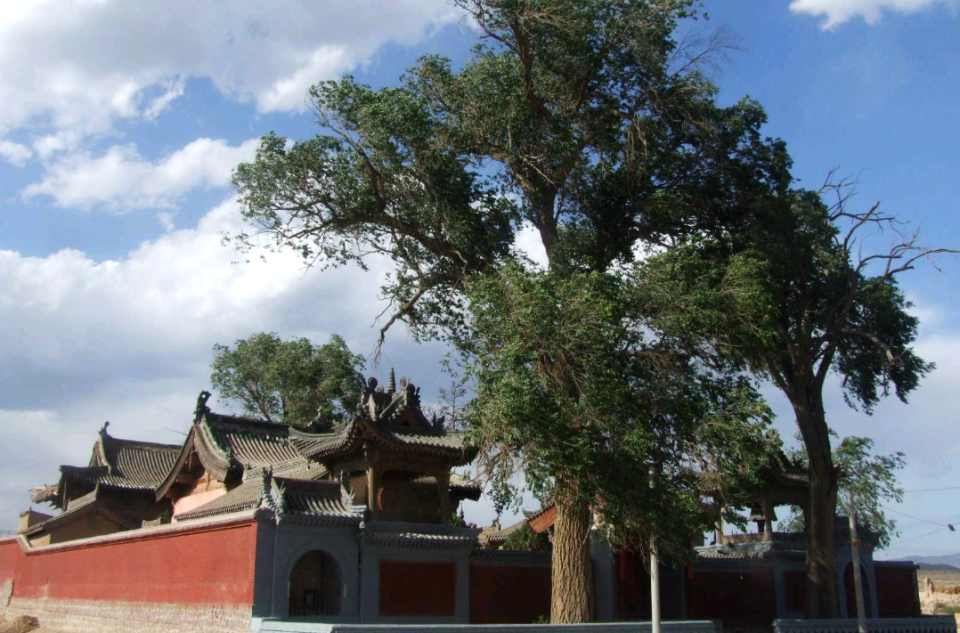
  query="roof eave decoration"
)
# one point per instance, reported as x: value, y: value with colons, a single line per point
x: 218, y: 461
x: 185, y: 451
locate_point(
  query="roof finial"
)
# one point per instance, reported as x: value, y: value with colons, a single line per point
x: 103, y: 431
x: 392, y: 384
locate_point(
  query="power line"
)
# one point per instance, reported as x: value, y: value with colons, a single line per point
x: 943, y: 525
x: 934, y: 489
x: 907, y: 540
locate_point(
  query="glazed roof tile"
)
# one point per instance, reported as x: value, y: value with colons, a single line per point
x: 493, y: 535
x: 419, y: 540
x: 130, y: 464
x: 77, y: 508
x: 246, y: 496
x: 288, y: 497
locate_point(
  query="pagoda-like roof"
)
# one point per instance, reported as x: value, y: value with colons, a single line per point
x: 116, y: 464
x: 291, y: 500
x: 79, y: 507
x: 230, y: 446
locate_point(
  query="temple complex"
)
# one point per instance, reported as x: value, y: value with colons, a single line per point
x: 247, y: 520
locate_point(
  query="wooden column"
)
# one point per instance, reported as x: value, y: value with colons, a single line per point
x: 373, y: 489
x: 767, y: 506
x: 443, y: 487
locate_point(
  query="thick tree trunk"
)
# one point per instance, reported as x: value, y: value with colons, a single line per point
x: 571, y: 600
x: 821, y: 506
x: 821, y: 556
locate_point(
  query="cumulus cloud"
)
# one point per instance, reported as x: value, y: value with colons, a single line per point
x: 836, y: 12
x: 72, y: 69
x: 129, y: 340
x: 122, y: 180
x: 15, y: 152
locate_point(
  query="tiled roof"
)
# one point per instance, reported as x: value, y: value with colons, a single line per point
x: 393, y: 419
x: 252, y: 442
x: 246, y: 496
x: 77, y: 508
x: 291, y: 499
x: 494, y: 536
x: 420, y: 540
x: 130, y: 464
x: 466, y: 487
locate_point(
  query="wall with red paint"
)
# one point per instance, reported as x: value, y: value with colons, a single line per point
x: 502, y: 594
x: 208, y: 565
x: 417, y: 589
x: 897, y: 594
x: 9, y: 551
x: 736, y: 598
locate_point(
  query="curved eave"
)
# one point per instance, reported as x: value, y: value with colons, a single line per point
x: 210, y: 454
x: 459, y: 456
x: 188, y: 446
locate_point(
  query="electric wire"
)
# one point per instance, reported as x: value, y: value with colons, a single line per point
x: 907, y: 540
x: 934, y: 489
x: 943, y: 525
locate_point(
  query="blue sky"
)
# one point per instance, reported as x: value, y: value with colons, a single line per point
x: 121, y: 123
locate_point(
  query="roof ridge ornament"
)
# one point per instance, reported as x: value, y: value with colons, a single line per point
x: 392, y: 383
x: 202, y: 407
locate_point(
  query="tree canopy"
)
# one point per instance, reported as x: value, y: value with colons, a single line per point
x: 785, y: 292
x: 591, y: 122
x: 294, y: 382
x: 871, y: 478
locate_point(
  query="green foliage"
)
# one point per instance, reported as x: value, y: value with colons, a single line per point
x: 574, y: 394
x: 783, y: 297
x: 295, y: 381
x: 588, y: 121
x: 524, y: 539
x: 871, y: 478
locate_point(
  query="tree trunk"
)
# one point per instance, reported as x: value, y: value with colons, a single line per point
x: 821, y: 555
x: 821, y: 507
x: 571, y: 600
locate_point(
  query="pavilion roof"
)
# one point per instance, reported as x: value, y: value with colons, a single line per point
x: 291, y: 500
x: 116, y: 464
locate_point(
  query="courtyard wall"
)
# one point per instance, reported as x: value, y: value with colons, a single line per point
x: 148, y: 581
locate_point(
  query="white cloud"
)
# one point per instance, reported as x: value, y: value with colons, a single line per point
x: 71, y: 69
x: 528, y: 243
x: 173, y: 90
x: 129, y: 340
x: 122, y: 180
x: 836, y: 12
x: 15, y: 152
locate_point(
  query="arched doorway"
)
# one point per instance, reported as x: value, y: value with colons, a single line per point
x: 851, y: 591
x: 315, y: 585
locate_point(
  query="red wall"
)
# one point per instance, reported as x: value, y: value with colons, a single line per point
x: 795, y: 590
x: 212, y: 565
x: 417, y: 589
x: 897, y: 593
x: 9, y: 549
x: 508, y: 595
x: 745, y: 597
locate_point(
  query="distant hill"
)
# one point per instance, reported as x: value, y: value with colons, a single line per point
x: 952, y: 560
x: 925, y: 567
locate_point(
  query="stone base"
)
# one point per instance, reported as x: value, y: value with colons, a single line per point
x: 96, y: 616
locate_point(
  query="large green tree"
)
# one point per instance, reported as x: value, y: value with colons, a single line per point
x: 785, y: 291
x: 586, y: 120
x: 294, y: 381
x: 580, y: 399
x: 870, y: 479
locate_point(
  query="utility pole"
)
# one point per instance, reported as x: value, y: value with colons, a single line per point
x: 855, y: 547
x: 654, y: 574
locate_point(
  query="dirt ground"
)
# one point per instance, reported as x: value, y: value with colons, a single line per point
x: 21, y: 625
x: 940, y: 601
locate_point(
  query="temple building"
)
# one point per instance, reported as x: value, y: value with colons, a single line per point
x: 247, y: 520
